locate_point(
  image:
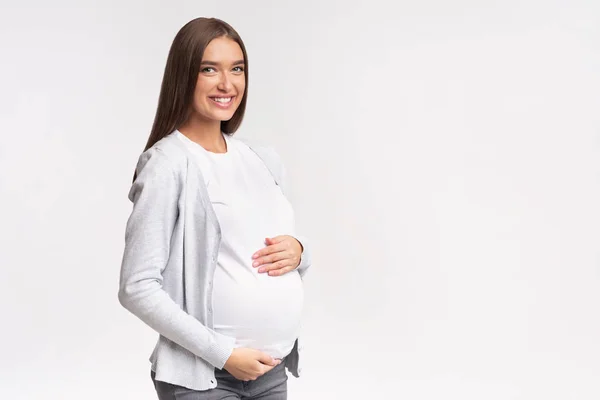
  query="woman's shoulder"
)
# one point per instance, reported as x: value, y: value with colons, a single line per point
x: 269, y: 156
x: 265, y: 151
x: 165, y: 152
x: 162, y: 159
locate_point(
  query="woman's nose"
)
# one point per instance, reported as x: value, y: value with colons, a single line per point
x: 224, y: 82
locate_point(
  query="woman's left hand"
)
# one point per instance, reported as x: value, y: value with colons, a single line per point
x: 282, y: 255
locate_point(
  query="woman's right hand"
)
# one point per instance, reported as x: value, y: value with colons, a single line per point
x: 248, y: 364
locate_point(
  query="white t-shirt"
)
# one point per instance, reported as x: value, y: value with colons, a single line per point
x: 262, y: 312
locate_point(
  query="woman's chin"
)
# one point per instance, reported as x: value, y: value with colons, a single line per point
x: 221, y: 116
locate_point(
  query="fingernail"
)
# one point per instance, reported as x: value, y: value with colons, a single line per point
x: 255, y: 264
x: 261, y: 270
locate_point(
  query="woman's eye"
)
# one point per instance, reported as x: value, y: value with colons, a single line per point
x: 207, y: 69
x: 238, y: 69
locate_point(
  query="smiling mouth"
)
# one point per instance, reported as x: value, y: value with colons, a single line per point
x: 222, y: 100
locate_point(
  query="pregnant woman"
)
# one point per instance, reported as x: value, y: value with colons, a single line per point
x: 211, y: 261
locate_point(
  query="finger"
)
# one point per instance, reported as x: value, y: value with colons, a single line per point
x: 281, y: 271
x: 275, y: 266
x: 264, y: 358
x: 271, y: 258
x: 272, y: 248
x: 276, y: 239
x: 266, y: 368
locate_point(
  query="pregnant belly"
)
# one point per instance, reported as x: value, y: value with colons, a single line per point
x: 261, y: 311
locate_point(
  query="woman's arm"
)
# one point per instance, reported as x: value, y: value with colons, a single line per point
x: 306, y: 257
x: 147, y: 245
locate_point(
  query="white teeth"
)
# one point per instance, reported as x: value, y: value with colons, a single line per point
x: 222, y: 99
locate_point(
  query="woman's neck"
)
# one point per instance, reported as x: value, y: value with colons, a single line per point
x: 206, y: 134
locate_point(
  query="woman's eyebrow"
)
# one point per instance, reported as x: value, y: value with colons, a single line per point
x: 238, y: 62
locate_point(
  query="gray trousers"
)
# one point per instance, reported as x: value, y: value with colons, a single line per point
x: 270, y: 386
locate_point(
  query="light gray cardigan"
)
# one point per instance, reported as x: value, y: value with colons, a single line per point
x: 172, y: 239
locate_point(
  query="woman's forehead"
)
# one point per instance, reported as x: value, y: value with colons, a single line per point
x: 223, y: 49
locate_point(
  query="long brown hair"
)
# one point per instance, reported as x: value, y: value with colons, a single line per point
x: 181, y: 74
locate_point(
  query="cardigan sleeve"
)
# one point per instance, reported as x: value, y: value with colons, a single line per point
x: 148, y: 232
x: 306, y: 256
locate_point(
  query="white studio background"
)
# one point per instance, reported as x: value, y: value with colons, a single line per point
x: 445, y: 162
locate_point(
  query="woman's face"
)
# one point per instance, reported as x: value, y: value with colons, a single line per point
x: 221, y: 84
